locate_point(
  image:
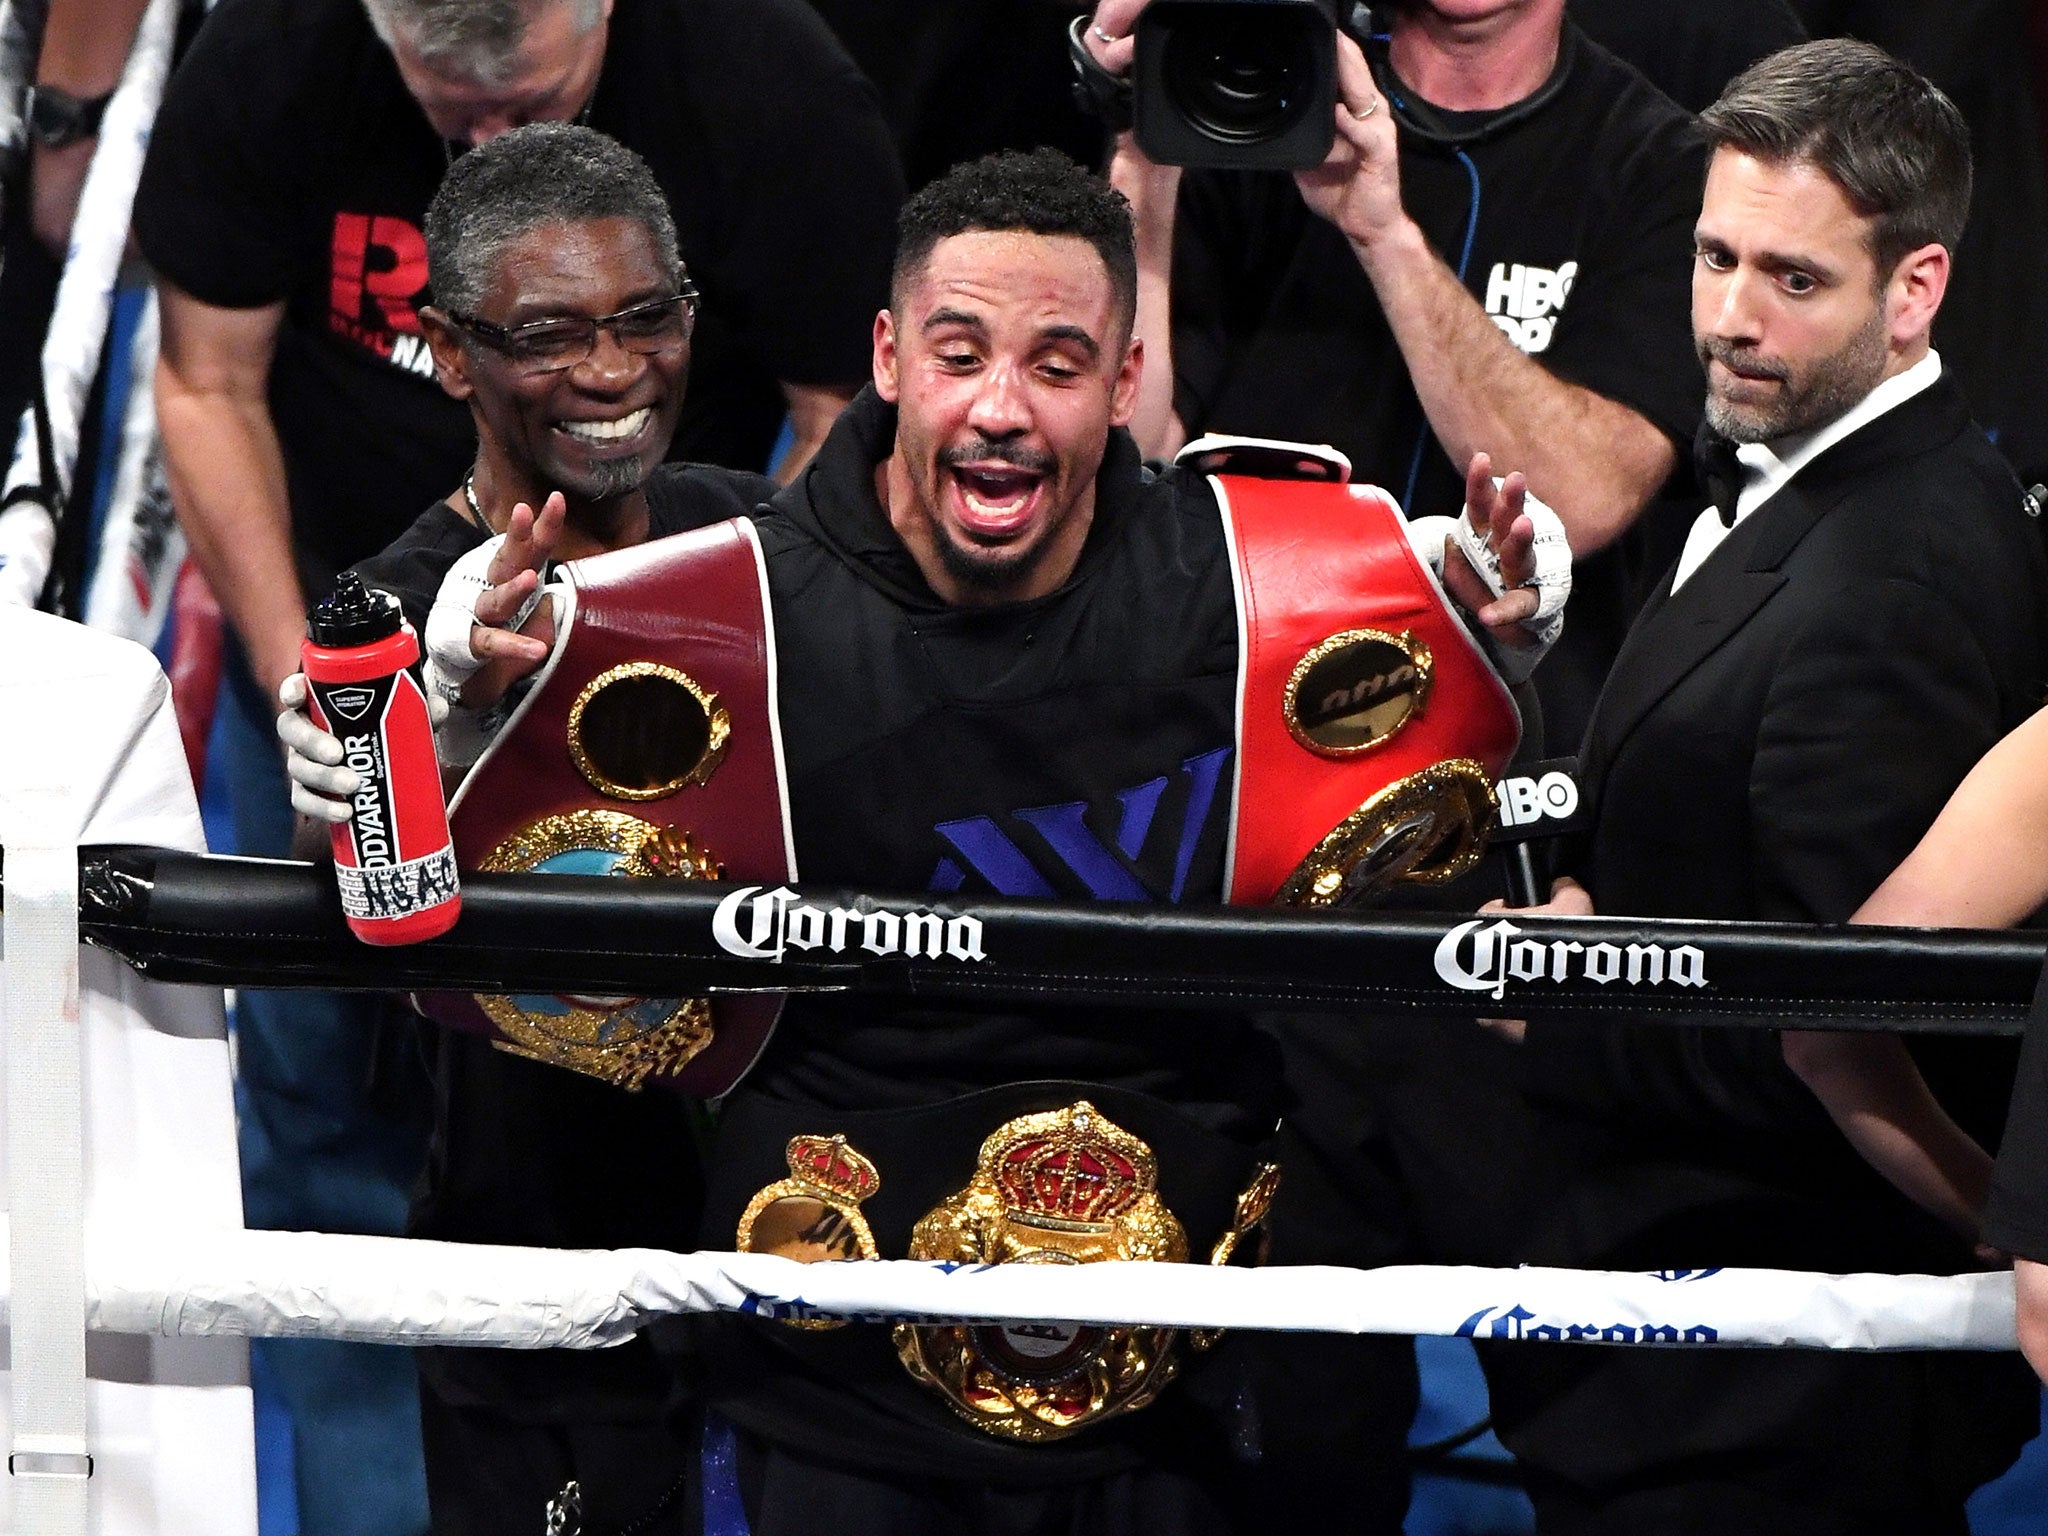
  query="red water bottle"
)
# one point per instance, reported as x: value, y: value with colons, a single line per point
x: 393, y: 859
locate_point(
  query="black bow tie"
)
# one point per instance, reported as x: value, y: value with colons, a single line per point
x: 1720, y: 472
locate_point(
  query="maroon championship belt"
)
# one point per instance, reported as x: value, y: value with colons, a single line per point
x: 648, y: 746
x: 1371, y: 727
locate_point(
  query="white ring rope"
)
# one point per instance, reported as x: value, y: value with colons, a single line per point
x: 400, y: 1291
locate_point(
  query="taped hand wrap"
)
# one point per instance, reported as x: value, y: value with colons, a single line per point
x: 1553, y: 579
x: 450, y: 662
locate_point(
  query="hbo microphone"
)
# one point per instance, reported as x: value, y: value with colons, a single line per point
x: 1538, y: 800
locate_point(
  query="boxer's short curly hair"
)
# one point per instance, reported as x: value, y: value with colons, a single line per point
x: 543, y: 173
x: 1040, y: 193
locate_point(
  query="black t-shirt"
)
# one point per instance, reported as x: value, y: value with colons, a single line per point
x: 1569, y: 218
x: 288, y: 163
x: 1571, y: 225
x: 2016, y: 1216
x: 530, y: 1154
x: 1691, y: 52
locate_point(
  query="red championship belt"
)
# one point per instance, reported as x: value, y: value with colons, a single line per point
x: 647, y: 746
x: 1370, y: 725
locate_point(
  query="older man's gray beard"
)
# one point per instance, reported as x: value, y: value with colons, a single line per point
x: 611, y: 478
x: 1829, y: 386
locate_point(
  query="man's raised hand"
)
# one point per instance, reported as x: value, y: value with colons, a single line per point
x: 489, y: 626
x: 1507, y: 559
x: 1496, y: 520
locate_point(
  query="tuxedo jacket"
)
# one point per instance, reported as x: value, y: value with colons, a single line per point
x: 1774, y: 738
x: 1777, y: 734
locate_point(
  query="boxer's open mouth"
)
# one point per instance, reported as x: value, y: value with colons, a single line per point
x: 993, y: 500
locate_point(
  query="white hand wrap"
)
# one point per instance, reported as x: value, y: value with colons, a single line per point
x: 312, y: 759
x: 460, y: 734
x: 1426, y: 536
x: 449, y: 660
x: 1553, y: 555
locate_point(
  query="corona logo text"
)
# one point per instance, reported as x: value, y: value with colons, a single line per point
x: 1518, y: 1322
x: 759, y: 924
x: 1478, y: 956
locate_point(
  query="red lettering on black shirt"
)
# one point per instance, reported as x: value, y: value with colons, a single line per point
x: 382, y: 258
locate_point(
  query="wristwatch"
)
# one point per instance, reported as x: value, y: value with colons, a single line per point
x: 57, y: 118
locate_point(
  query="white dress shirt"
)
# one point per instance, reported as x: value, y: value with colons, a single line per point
x: 1767, y: 466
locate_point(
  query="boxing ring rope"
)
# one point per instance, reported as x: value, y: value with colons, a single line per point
x: 407, y: 1291
x: 277, y: 923
x: 272, y: 922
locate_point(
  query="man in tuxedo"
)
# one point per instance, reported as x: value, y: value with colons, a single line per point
x: 1852, y: 624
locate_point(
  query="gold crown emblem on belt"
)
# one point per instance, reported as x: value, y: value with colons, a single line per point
x: 813, y: 1214
x: 1066, y: 1187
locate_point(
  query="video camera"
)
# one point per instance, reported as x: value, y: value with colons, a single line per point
x: 1240, y: 84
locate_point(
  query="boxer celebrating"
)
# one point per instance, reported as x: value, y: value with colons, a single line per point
x: 1006, y: 660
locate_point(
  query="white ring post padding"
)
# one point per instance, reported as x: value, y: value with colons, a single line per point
x: 398, y: 1291
x: 167, y: 1422
x: 78, y: 321
x: 45, y: 1141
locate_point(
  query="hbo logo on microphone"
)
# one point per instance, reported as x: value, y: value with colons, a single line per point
x: 1525, y: 801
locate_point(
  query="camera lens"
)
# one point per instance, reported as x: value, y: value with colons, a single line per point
x: 1237, y: 80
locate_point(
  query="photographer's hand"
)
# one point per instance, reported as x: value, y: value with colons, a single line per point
x: 1358, y: 186
x: 1153, y: 192
x: 1108, y: 37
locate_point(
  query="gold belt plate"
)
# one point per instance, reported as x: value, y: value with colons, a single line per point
x: 619, y: 1040
x: 813, y: 1215
x: 1069, y: 1186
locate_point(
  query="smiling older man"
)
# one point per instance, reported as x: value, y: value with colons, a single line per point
x: 281, y: 207
x: 564, y: 329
